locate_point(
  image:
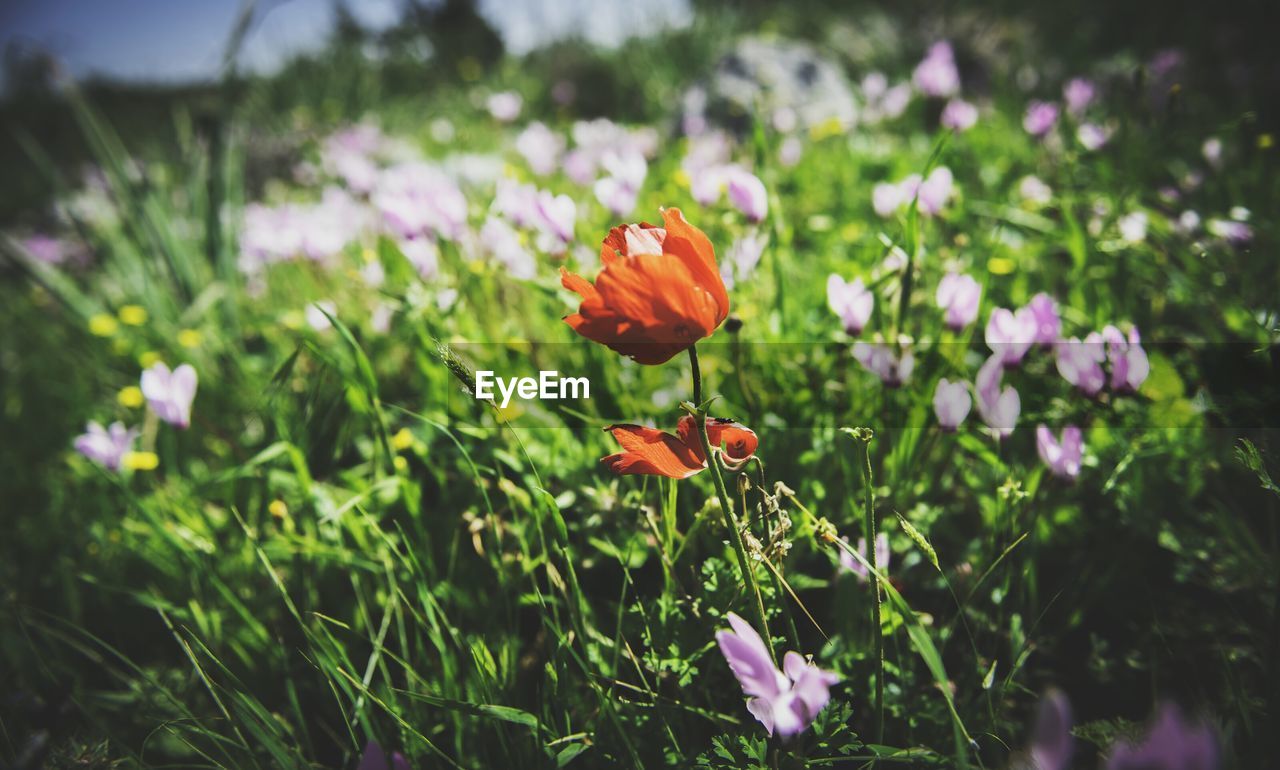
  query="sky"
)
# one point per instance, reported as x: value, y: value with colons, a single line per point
x: 172, y: 41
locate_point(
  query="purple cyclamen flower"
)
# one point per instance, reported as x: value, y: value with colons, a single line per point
x: 747, y: 193
x: 517, y: 202
x: 419, y: 199
x: 1212, y: 152
x: 1133, y: 226
x: 936, y: 74
x: 884, y: 362
x: 170, y: 393
x: 1034, y: 190
x: 929, y: 194
x: 1188, y: 222
x: 742, y: 258
x: 1043, y: 309
x: 1233, y: 232
x: 934, y: 191
x: 895, y: 101
x: 1062, y: 456
x: 540, y: 147
x: 786, y: 701
x: 505, y: 106
x: 1040, y: 118
x: 619, y: 189
x: 850, y: 300
x: 1129, y: 363
x: 1078, y: 94
x: 1051, y: 743
x: 106, y: 446
x: 951, y: 403
x: 707, y: 187
x: 377, y: 758
x: 503, y: 243
x: 45, y: 248
x: 882, y: 553
x: 998, y: 408
x: 886, y: 197
x: 1080, y: 363
x: 959, y: 115
x: 790, y: 151
x: 579, y: 166
x: 1093, y: 136
x: 424, y: 255
x: 874, y: 85
x: 556, y: 217
x: 1010, y: 334
x: 959, y: 295
x: 55, y: 251
x: 1172, y: 743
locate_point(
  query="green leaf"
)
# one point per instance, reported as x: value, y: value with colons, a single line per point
x: 486, y: 710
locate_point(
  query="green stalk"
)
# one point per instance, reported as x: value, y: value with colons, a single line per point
x: 869, y: 532
x: 731, y: 521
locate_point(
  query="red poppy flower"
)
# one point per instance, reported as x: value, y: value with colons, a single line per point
x: 658, y: 293
x: 652, y: 452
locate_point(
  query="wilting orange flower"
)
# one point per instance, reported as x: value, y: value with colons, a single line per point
x: 658, y: 293
x: 650, y: 451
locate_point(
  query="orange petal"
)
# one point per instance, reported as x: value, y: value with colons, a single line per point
x: 652, y: 452
x: 692, y: 247
x: 647, y: 307
x: 615, y: 242
x: 737, y: 440
x: 577, y: 284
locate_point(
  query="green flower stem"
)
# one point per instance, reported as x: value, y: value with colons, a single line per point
x: 731, y: 521
x: 869, y: 532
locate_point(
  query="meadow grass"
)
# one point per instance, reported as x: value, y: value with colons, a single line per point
x: 346, y: 546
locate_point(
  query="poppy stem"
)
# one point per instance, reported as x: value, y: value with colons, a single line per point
x: 697, y: 378
x: 731, y: 521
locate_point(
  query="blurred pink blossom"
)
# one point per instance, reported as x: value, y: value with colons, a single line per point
x: 170, y: 393
x: 106, y: 446
x: 504, y: 106
x: 850, y: 300
x: 936, y: 75
x: 959, y: 295
x: 1040, y: 118
x: 951, y: 403
x: 540, y: 147
x: 1010, y: 334
x: 1061, y: 456
x: 1080, y: 363
x: 1078, y: 94
x: 892, y: 367
x: 959, y: 115
x: 999, y: 408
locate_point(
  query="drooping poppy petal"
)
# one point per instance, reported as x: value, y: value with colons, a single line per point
x: 652, y: 452
x: 738, y: 441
